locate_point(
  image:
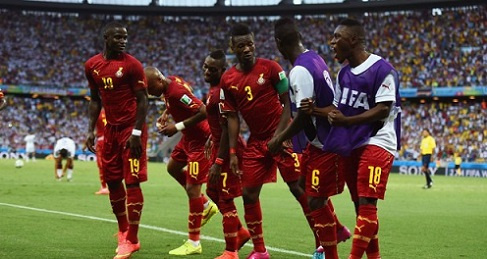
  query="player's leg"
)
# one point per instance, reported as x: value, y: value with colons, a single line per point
x: 99, y: 150
x: 253, y: 216
x: 134, y: 173
x: 426, y: 159
x: 58, y: 168
x: 69, y: 168
x: 323, y: 180
x: 196, y: 175
x: 290, y: 167
x: 374, y: 167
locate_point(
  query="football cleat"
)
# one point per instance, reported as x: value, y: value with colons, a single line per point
x: 228, y: 255
x: 209, y: 212
x: 121, y: 236
x: 187, y: 249
x: 319, y: 253
x: 126, y: 250
x: 343, y: 234
x: 258, y: 255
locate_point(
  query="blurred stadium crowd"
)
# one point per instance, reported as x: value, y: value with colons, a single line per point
x: 429, y: 50
x: 458, y: 127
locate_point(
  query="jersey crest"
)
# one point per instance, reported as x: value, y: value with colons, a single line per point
x: 119, y: 73
x: 261, y: 79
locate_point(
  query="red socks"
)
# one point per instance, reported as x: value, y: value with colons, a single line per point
x: 194, y: 218
x: 135, y: 202
x: 303, y: 201
x: 231, y: 224
x: 365, y: 229
x: 330, y: 204
x: 253, y: 218
x: 325, y: 228
x: 117, y: 200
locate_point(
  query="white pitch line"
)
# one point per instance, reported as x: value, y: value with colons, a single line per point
x: 270, y: 248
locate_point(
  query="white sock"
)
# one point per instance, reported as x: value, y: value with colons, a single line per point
x: 59, y: 173
x: 70, y: 174
x: 194, y: 243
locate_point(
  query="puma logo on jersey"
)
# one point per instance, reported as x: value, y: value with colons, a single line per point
x: 234, y: 87
x: 96, y: 72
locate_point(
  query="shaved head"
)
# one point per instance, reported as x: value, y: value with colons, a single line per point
x: 155, y: 80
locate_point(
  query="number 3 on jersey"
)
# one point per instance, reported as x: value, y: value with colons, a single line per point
x: 248, y: 90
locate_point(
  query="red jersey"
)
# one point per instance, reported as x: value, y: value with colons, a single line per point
x: 100, y: 124
x: 182, y: 104
x: 213, y: 113
x: 253, y: 94
x: 116, y: 80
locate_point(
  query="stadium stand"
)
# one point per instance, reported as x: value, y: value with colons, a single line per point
x: 445, y: 48
x: 431, y: 50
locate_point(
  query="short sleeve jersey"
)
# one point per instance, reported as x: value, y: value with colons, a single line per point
x: 100, y: 124
x: 182, y: 104
x: 253, y: 94
x: 117, y: 80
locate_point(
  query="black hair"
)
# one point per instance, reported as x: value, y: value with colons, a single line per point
x: 218, y: 54
x: 63, y: 153
x: 240, y: 29
x: 286, y: 30
x: 112, y: 25
x: 356, y: 28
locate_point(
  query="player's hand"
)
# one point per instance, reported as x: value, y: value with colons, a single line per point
x: 162, y: 121
x: 90, y: 142
x: 214, y: 174
x: 208, y: 147
x: 274, y: 145
x: 234, y: 165
x: 169, y: 130
x: 307, y: 105
x: 336, y: 118
x: 135, y: 145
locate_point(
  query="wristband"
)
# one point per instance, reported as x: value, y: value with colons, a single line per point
x: 180, y: 126
x: 219, y: 161
x: 136, y: 132
x: 232, y: 150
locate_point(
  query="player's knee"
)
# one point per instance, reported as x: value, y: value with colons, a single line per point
x: 226, y: 206
x: 193, y: 190
x: 114, y: 185
x: 295, y: 189
x: 317, y: 202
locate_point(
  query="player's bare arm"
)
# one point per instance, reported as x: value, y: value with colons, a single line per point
x: 377, y: 113
x: 286, y: 112
x: 94, y: 111
x: 171, y: 129
x: 297, y: 124
x: 233, y: 124
x: 215, y: 170
x: 134, y: 142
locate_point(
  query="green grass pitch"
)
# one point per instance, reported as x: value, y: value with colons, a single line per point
x: 43, y: 218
